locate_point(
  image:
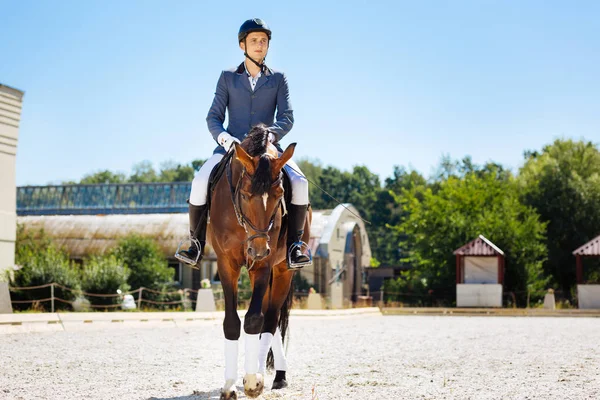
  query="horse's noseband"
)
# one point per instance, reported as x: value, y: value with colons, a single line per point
x: 237, y: 207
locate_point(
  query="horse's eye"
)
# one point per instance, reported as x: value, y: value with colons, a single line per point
x: 244, y: 197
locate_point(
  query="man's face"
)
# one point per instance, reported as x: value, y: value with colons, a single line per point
x: 257, y: 45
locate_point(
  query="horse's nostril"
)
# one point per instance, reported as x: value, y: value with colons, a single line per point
x: 250, y: 251
x: 268, y: 252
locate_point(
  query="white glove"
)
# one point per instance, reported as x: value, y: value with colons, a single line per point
x: 271, y: 137
x: 226, y: 140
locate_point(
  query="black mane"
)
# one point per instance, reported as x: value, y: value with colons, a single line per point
x: 255, y: 144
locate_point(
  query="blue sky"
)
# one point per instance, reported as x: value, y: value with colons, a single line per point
x: 112, y: 83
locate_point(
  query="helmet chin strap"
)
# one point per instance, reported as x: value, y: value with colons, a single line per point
x: 259, y: 65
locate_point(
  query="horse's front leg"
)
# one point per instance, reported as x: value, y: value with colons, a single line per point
x: 271, y: 334
x: 231, y: 329
x: 253, y: 323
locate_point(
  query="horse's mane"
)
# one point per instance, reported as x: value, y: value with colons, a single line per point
x: 255, y: 144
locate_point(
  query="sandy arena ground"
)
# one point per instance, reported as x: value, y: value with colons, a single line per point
x: 360, y: 357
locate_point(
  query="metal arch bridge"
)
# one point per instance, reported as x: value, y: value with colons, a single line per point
x: 121, y: 198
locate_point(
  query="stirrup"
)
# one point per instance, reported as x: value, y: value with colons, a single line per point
x: 186, y: 260
x: 299, y: 245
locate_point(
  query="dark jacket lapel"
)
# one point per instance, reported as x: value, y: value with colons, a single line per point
x: 241, y: 74
x: 264, y: 77
x: 261, y: 81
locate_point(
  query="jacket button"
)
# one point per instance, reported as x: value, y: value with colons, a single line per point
x: 252, y: 113
x: 253, y: 96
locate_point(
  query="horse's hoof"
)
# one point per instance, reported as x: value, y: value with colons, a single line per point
x: 228, y: 395
x: 282, y: 384
x: 253, y: 385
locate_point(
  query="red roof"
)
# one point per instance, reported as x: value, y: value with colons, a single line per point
x: 479, y: 247
x: 591, y: 248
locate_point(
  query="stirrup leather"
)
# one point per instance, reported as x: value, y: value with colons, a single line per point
x: 302, y: 246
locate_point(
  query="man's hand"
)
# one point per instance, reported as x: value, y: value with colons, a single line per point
x: 226, y: 140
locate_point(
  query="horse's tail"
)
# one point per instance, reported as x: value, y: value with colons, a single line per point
x: 284, y: 319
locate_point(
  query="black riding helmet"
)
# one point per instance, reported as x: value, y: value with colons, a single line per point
x: 253, y: 25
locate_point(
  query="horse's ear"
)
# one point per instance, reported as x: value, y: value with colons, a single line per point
x: 244, y: 158
x: 285, y: 157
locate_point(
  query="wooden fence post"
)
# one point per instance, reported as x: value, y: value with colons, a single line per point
x: 140, y: 298
x: 52, y: 296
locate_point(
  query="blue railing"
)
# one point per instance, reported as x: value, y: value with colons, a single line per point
x: 122, y: 198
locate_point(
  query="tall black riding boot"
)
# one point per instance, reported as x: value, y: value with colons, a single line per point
x: 198, y: 222
x: 296, y: 219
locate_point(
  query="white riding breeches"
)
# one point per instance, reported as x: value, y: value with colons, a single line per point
x: 198, y: 195
x: 299, y: 183
x: 200, y: 182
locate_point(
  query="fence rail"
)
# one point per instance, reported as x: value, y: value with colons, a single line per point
x: 187, y: 297
x: 184, y: 295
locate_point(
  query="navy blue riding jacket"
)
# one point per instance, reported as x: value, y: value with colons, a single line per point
x: 247, y: 108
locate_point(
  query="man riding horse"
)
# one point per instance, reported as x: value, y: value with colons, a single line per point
x: 252, y: 94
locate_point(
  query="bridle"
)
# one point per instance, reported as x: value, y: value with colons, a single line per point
x: 237, y: 206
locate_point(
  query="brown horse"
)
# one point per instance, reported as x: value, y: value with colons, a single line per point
x: 247, y: 228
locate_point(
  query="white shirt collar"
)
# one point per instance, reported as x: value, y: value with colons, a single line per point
x: 252, y: 80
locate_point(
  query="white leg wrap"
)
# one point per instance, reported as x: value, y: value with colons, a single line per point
x: 231, y: 360
x: 200, y: 182
x: 251, y: 358
x: 278, y: 353
x: 299, y: 183
x: 263, y: 351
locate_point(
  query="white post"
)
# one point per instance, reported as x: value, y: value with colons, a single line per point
x: 10, y: 118
x: 5, y: 304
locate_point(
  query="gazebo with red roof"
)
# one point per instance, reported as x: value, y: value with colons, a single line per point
x: 479, y: 274
x: 588, y: 295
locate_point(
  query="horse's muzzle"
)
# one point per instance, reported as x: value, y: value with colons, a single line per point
x: 258, y: 254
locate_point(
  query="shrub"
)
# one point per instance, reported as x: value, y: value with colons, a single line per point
x: 409, y: 288
x: 104, y: 275
x: 146, y: 264
x: 148, y: 268
x: 166, y: 293
x: 38, y: 268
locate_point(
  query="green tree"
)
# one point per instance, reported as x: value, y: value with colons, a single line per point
x: 562, y: 182
x: 481, y: 202
x: 388, y: 245
x: 105, y: 176
x: 312, y: 169
x: 359, y: 187
x: 173, y: 172
x: 197, y: 164
x: 143, y: 172
x: 403, y: 179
